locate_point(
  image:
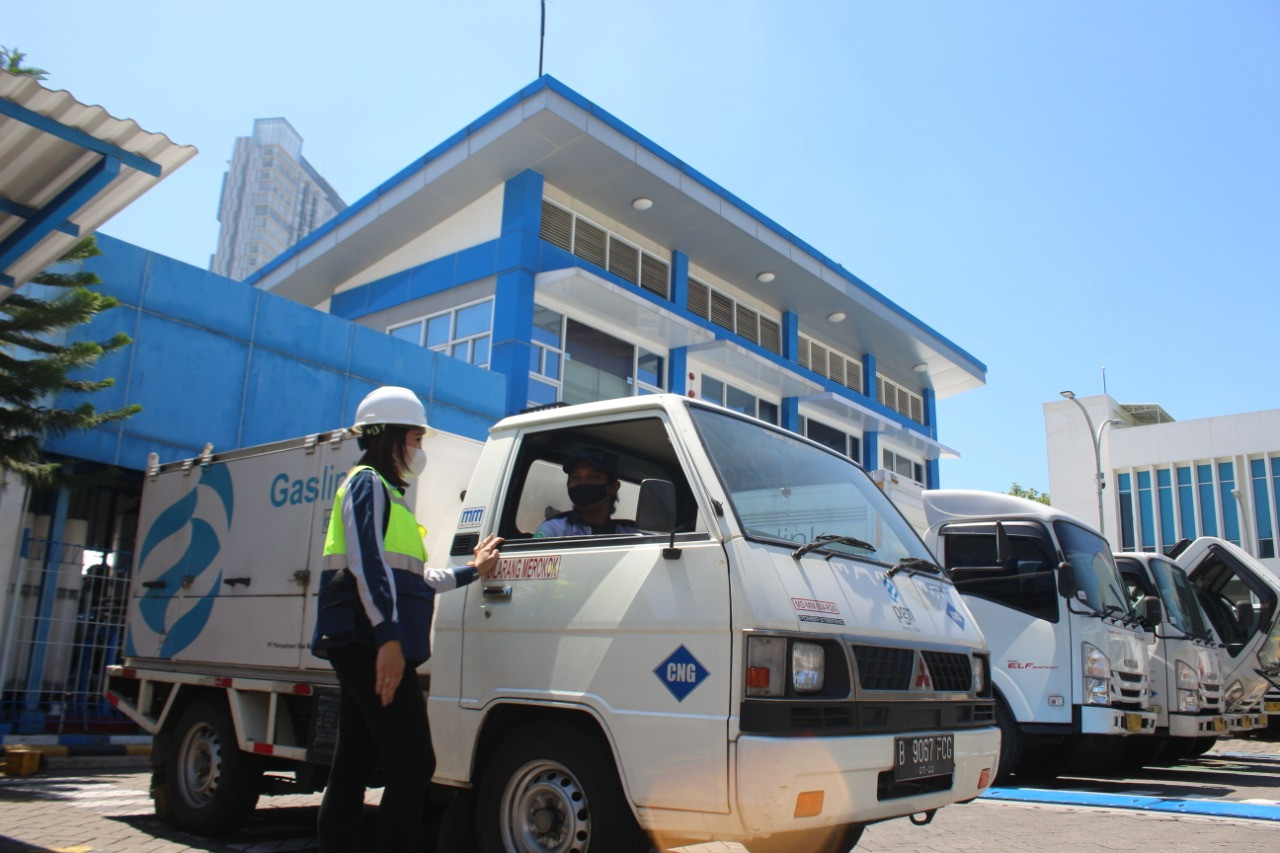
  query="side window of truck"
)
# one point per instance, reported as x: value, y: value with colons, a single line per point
x: 639, y: 449
x: 1026, y: 582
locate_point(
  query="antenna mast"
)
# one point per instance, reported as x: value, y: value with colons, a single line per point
x: 542, y: 42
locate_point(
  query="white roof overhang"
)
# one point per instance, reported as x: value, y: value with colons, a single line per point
x: 66, y: 168
x: 586, y: 296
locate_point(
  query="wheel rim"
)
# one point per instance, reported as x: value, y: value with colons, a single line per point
x: 544, y: 810
x: 200, y: 758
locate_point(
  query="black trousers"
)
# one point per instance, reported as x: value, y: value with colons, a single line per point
x: 396, y: 738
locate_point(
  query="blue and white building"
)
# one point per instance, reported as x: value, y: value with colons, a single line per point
x: 1166, y: 479
x: 547, y: 252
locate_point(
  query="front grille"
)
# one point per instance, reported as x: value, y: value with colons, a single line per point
x: 883, y: 668
x: 950, y: 671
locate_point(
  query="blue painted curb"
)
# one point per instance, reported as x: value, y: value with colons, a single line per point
x: 1209, y: 808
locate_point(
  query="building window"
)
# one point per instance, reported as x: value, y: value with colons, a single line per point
x: 899, y: 399
x: 1230, y: 515
x: 463, y: 333
x: 829, y: 436
x: 902, y: 466
x: 1164, y: 493
x: 1146, y: 514
x: 1208, y: 506
x: 833, y: 364
x: 589, y: 241
x: 729, y: 314
x: 1262, y: 507
x: 651, y: 373
x: 738, y: 400
x: 546, y: 356
x: 574, y: 363
x: 1186, y: 502
x: 1124, y: 490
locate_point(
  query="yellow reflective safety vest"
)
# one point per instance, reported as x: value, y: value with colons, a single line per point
x: 382, y: 614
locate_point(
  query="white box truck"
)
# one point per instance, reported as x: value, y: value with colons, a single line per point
x: 773, y: 660
x: 1069, y: 656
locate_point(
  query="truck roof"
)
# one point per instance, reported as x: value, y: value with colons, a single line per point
x: 943, y: 505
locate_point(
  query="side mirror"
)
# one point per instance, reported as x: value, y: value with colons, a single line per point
x: 656, y: 506
x: 1067, y: 580
x: 1004, y: 548
x: 1152, y: 612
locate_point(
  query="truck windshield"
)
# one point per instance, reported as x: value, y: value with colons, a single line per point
x: 1178, y: 596
x: 784, y: 489
x: 1095, y: 569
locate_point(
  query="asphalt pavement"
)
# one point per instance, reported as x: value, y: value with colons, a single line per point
x: 1228, y: 800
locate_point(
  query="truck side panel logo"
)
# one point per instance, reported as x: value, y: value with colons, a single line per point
x: 180, y: 630
x: 471, y: 517
x: 681, y: 673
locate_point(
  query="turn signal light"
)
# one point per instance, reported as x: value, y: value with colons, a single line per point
x: 758, y: 677
x: 809, y: 804
x: 984, y: 778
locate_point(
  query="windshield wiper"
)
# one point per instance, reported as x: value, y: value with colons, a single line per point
x: 830, y: 538
x: 913, y: 565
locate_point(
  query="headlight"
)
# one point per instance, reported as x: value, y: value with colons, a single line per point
x: 979, y: 675
x: 1188, y: 695
x: 1097, y: 672
x: 766, y: 664
x: 808, y: 667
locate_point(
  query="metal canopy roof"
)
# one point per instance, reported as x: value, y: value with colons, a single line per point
x: 65, y: 168
x: 593, y: 156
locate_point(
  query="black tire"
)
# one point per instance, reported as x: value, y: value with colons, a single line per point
x: 831, y: 839
x: 1141, y: 751
x: 1203, y: 745
x: 209, y: 787
x: 1010, y: 742
x: 548, y: 787
x: 1097, y: 755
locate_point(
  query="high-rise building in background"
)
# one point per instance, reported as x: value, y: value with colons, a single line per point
x: 271, y: 199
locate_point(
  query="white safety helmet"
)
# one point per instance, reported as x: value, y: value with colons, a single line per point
x: 391, y: 404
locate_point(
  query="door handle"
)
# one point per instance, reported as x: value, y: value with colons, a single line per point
x: 492, y: 592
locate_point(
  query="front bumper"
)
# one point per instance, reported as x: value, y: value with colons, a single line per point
x: 1198, y: 725
x: 1099, y: 720
x: 1246, y: 722
x: 772, y: 772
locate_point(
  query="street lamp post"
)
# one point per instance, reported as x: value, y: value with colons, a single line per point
x: 1096, y: 437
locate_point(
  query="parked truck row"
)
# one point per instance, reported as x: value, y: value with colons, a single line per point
x: 775, y: 658
x: 1098, y: 658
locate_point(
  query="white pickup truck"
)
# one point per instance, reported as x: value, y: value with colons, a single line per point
x: 773, y: 660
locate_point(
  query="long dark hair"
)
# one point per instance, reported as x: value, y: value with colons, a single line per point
x: 383, y: 446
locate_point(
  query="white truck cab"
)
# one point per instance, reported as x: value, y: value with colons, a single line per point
x: 1241, y: 598
x: 1187, y: 660
x: 1069, y: 655
x: 774, y: 659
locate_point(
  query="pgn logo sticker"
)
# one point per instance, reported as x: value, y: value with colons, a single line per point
x: 891, y: 589
x: 471, y: 517
x: 955, y: 615
x: 681, y: 673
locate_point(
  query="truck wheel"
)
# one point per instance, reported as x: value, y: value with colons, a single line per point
x: 548, y: 787
x: 1010, y: 742
x: 1046, y: 760
x: 209, y: 786
x: 831, y: 839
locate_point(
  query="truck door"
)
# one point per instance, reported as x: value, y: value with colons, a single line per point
x: 1242, y: 601
x: 612, y: 623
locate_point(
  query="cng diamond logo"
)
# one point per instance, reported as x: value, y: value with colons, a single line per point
x: 681, y: 673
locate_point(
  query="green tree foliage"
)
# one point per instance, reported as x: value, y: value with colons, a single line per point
x: 1029, y: 493
x: 35, y: 367
x: 11, y: 61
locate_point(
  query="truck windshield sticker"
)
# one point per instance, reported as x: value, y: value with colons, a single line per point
x: 681, y: 673
x: 544, y: 568
x: 471, y: 517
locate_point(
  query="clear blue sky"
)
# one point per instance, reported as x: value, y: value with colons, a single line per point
x: 1055, y: 186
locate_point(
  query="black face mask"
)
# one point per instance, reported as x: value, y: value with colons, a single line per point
x: 589, y: 494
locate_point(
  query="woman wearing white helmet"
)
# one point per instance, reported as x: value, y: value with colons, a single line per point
x: 373, y: 625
